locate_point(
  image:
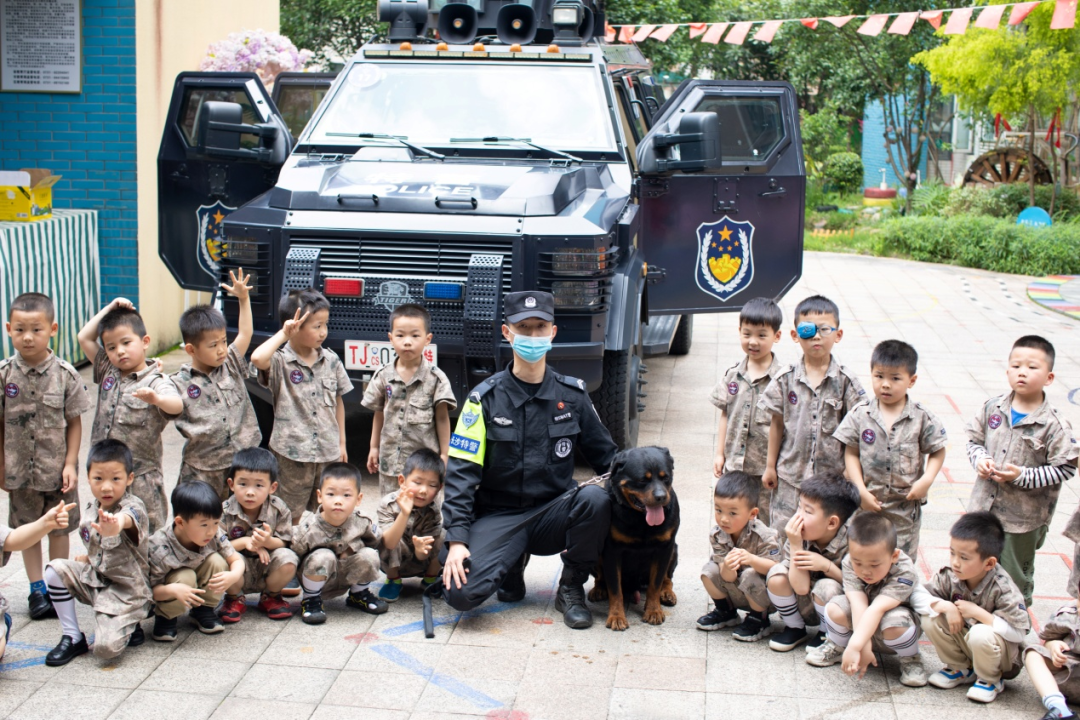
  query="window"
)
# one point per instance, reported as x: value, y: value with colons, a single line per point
x: 750, y: 128
x: 297, y: 104
x: 195, y: 97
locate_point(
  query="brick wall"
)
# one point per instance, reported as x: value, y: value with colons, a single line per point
x: 89, y: 139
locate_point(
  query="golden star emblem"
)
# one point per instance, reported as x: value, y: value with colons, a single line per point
x: 714, y: 244
x: 725, y: 234
x: 218, y: 217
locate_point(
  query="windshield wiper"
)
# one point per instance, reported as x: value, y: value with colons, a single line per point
x: 524, y: 141
x: 380, y: 136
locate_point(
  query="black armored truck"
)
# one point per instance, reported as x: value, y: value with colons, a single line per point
x: 514, y: 151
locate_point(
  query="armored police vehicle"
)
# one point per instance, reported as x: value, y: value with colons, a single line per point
x: 516, y: 152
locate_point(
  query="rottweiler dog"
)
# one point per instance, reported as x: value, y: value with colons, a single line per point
x: 640, y: 550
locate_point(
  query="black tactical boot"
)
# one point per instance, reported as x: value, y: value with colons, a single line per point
x: 512, y: 589
x: 570, y: 599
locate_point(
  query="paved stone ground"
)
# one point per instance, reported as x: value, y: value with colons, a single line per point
x: 520, y: 661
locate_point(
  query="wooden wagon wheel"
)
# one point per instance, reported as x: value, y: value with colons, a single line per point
x: 1006, y: 165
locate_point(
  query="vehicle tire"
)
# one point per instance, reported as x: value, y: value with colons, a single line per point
x: 616, y: 400
x: 684, y: 336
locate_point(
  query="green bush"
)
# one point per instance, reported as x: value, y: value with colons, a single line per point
x: 985, y: 242
x: 931, y: 199
x: 1004, y: 201
x: 844, y: 171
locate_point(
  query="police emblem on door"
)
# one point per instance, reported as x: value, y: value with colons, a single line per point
x: 725, y: 259
x: 211, y: 246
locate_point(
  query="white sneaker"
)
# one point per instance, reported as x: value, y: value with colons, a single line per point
x: 912, y: 672
x: 985, y: 692
x: 826, y: 654
x: 947, y: 678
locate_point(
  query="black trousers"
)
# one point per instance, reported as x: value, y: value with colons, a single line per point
x: 574, y: 524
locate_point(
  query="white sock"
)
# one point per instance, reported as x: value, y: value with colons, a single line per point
x: 907, y: 644
x: 838, y: 635
x: 1056, y: 703
x: 820, y: 610
x: 788, y: 607
x: 64, y: 604
x: 311, y: 587
x: 359, y: 587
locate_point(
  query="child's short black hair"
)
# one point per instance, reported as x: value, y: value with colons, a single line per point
x: 834, y: 493
x: 871, y: 528
x: 105, y: 451
x: 411, y: 310
x: 255, y: 459
x: 122, y: 317
x: 425, y: 460
x: 895, y: 354
x: 340, y: 471
x: 199, y: 319
x: 817, y: 305
x: 195, y: 499
x: 761, y: 311
x: 306, y: 301
x: 1037, y: 342
x: 985, y: 529
x: 33, y: 302
x: 738, y: 485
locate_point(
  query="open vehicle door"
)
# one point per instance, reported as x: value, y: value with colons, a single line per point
x: 223, y: 145
x: 297, y: 94
x: 722, y: 191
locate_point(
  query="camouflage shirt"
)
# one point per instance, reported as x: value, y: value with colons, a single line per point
x: 891, y: 459
x: 834, y: 551
x: 218, y: 418
x: 757, y: 538
x: 898, y: 584
x: 1041, y: 438
x: 810, y: 419
x: 167, y: 554
x: 34, y: 410
x: 4, y: 557
x: 423, y: 521
x: 274, y: 512
x: 355, y: 534
x: 1064, y: 626
x: 121, y: 416
x: 118, y: 562
x: 747, y: 443
x: 408, y: 412
x: 305, y: 405
x: 996, y: 593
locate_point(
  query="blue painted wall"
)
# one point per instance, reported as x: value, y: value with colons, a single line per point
x: 89, y: 138
x: 874, y: 154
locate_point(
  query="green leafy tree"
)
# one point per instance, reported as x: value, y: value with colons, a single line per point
x: 333, y: 29
x: 824, y: 133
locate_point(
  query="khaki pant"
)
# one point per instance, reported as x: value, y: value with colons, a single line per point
x: 977, y: 647
x: 255, y: 573
x: 297, y: 483
x: 150, y: 488
x: 213, y: 478
x: 900, y: 616
x: 197, y: 578
x: 748, y: 585
x: 26, y: 505
x: 404, y: 558
x: 1018, y: 559
x: 341, y: 573
x: 116, y: 612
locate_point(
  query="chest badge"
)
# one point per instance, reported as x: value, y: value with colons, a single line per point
x: 561, y: 418
x: 11, y: 390
x: 296, y: 377
x: 389, y: 392
x: 994, y: 422
x: 561, y: 405
x: 869, y: 436
x: 194, y: 391
x: 469, y: 418
x: 733, y: 388
x: 563, y: 447
x: 502, y: 421
x: 236, y: 532
x: 792, y: 397
x: 84, y: 533
x: 108, y: 383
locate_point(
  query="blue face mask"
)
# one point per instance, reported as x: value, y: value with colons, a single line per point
x: 531, y: 349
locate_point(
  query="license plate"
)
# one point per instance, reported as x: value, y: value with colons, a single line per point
x: 363, y: 355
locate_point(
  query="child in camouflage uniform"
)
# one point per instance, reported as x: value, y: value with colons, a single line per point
x: 742, y: 440
x: 218, y: 418
x: 411, y: 398
x: 135, y: 401
x: 1051, y: 665
x: 112, y: 576
x: 338, y: 547
x: 886, y: 439
x: 307, y: 382
x: 411, y: 524
x: 40, y: 431
x: 1022, y: 450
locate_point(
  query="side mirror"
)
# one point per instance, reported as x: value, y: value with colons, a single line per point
x: 219, y: 125
x: 698, y: 141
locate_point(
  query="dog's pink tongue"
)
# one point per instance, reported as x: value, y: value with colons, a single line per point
x: 654, y: 515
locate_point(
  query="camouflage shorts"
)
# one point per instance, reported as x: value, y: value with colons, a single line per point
x: 343, y: 572
x: 403, y: 557
x: 112, y: 627
x: 748, y: 585
x: 297, y: 482
x: 213, y: 478
x: 255, y: 573
x: 25, y: 506
x: 900, y: 616
x: 150, y: 488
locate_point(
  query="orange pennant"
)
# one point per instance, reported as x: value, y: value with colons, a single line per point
x: 609, y: 33
x: 698, y: 29
x: 873, y: 25
x: 642, y: 33
x: 738, y: 33
x: 810, y: 23
x: 767, y: 32
x: 933, y: 17
x: 715, y: 33
x: 840, y: 21
x: 1064, y: 15
x: 626, y: 33
x: 958, y: 21
x: 903, y: 23
x: 664, y: 32
x: 1021, y: 11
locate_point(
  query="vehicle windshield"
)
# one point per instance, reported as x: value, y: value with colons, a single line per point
x: 429, y: 103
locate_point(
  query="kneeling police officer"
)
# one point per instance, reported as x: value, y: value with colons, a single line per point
x: 510, y: 488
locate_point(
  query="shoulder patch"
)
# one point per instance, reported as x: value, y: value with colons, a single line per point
x: 570, y: 381
x: 480, y: 390
x: 905, y: 581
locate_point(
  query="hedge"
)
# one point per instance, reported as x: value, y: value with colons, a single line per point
x: 985, y: 242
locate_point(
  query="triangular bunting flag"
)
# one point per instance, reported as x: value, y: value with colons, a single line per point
x: 1020, y: 12
x: 810, y: 23
x: 664, y: 32
x: 642, y: 33
x: 1064, y: 15
x: 609, y: 33
x: 990, y: 18
x: 698, y: 29
x: 840, y: 21
x: 738, y: 33
x: 958, y: 21
x: 873, y: 25
x: 715, y: 33
x: 904, y: 22
x: 933, y: 17
x: 626, y: 33
x: 767, y: 32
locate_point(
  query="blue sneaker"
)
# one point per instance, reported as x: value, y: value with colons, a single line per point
x: 985, y: 692
x: 391, y: 591
x: 947, y: 678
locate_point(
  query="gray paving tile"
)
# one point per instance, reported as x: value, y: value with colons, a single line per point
x: 466, y: 697
x: 539, y: 700
x: 629, y: 704
x: 215, y: 677
x: 77, y: 702
x: 340, y: 712
x: 234, y: 708
x: 570, y: 668
x: 14, y: 692
x: 166, y: 706
x: 719, y: 706
x: 287, y: 684
x: 388, y: 691
x: 647, y: 672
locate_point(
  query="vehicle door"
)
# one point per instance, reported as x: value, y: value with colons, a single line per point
x: 297, y: 94
x: 716, y: 236
x: 207, y: 169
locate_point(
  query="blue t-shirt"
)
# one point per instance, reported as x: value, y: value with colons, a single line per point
x: 1016, y: 417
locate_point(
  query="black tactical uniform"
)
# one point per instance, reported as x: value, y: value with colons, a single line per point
x: 510, y: 488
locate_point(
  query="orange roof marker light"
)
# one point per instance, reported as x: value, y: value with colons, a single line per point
x: 405, y: 46
x: 515, y: 48
x: 478, y: 47
x: 442, y: 47
x: 553, y: 48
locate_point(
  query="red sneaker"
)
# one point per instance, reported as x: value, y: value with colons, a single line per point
x: 275, y: 607
x: 232, y: 609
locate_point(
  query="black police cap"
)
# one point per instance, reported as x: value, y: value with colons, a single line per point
x: 520, y: 306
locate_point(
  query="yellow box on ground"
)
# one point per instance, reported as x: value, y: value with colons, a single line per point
x: 26, y: 195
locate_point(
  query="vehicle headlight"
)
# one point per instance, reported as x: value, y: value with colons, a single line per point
x: 579, y: 294
x: 583, y: 262
x: 242, y: 250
